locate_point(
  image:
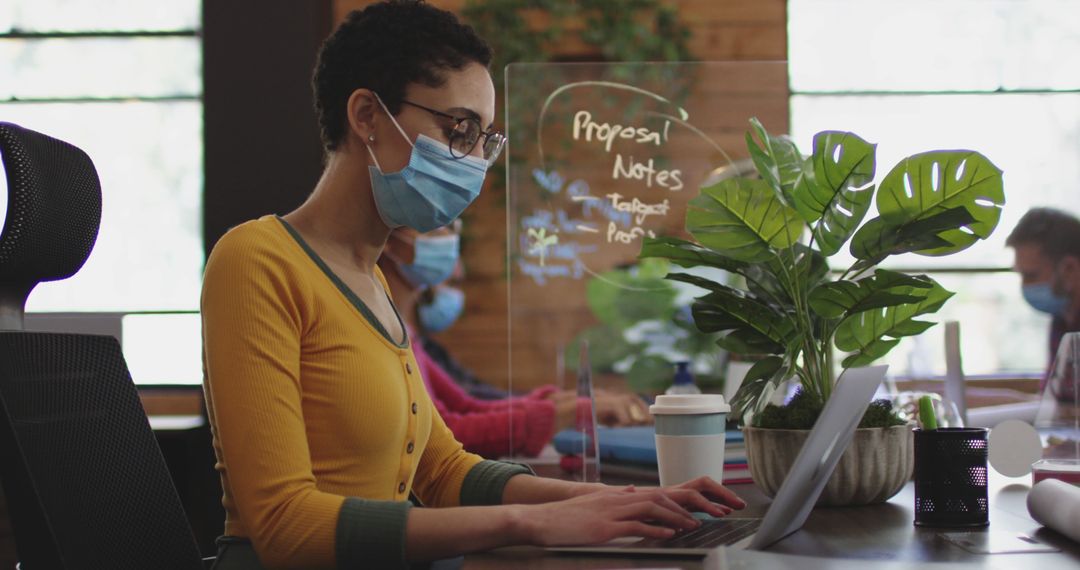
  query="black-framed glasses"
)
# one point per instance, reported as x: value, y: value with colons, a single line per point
x: 466, y: 133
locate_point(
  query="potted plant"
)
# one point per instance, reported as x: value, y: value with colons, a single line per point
x: 776, y: 232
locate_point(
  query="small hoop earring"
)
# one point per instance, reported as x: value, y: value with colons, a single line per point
x: 371, y: 138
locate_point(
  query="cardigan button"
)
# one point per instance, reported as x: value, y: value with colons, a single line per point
x: 414, y: 408
x: 409, y: 448
x: 401, y: 487
x: 408, y: 368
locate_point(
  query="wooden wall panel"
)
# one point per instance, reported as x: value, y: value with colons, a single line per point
x: 722, y: 30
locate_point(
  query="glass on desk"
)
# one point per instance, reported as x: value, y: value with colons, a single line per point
x: 907, y: 406
x: 1058, y: 418
x: 951, y: 477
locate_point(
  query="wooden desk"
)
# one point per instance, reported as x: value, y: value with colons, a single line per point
x: 878, y: 536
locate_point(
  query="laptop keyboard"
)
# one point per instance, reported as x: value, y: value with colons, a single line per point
x: 711, y: 533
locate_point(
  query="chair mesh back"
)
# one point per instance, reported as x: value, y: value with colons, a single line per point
x: 54, y: 207
x: 84, y: 444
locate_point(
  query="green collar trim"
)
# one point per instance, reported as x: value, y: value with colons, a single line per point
x: 345, y: 290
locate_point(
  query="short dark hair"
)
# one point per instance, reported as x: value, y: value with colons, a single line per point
x: 1055, y: 232
x: 385, y: 47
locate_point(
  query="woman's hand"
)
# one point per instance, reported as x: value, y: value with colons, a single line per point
x: 612, y: 512
x: 602, y: 516
x: 723, y: 499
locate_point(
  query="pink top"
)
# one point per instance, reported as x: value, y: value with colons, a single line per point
x: 484, y: 426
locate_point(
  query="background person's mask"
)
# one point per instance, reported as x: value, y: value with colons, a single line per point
x: 443, y: 310
x: 434, y: 260
x: 1042, y: 298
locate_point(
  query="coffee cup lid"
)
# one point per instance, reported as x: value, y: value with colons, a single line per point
x: 690, y: 404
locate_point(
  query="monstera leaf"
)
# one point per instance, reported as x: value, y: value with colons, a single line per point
x: 726, y: 308
x: 871, y: 334
x: 927, y: 184
x: 742, y: 219
x: 687, y: 254
x: 740, y: 341
x: 777, y: 160
x: 805, y: 265
x: 839, y: 194
x: 877, y: 240
x: 759, y: 384
x: 885, y: 289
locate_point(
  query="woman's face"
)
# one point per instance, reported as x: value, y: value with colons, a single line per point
x: 468, y: 92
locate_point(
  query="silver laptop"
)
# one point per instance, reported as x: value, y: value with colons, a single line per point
x: 793, y: 502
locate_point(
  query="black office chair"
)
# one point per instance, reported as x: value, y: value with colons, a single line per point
x: 86, y: 483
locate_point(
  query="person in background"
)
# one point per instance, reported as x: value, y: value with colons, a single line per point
x: 417, y: 264
x: 321, y: 423
x: 437, y: 309
x: 1046, y: 248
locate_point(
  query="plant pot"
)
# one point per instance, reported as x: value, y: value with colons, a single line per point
x: 873, y: 468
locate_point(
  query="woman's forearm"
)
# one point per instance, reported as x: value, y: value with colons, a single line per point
x: 595, y: 514
x: 529, y: 490
x: 431, y: 534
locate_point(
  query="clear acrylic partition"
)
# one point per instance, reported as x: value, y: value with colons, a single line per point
x: 1058, y: 419
x: 601, y: 156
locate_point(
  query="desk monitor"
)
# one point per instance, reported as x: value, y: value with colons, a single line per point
x: 163, y: 349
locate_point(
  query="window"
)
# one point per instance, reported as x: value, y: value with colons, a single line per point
x: 121, y: 79
x: 997, y: 76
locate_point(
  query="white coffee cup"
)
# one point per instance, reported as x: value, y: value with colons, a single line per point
x: 690, y: 432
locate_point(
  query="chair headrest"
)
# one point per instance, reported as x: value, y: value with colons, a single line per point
x: 54, y: 208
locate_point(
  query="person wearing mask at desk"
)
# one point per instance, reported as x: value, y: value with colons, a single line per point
x: 438, y: 309
x: 417, y: 264
x: 1046, y: 248
x: 322, y: 427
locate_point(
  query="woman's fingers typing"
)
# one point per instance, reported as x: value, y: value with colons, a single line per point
x: 614, y: 512
x: 715, y: 491
x: 609, y: 514
x: 667, y: 515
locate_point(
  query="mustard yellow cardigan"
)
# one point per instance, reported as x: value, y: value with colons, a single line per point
x: 322, y: 426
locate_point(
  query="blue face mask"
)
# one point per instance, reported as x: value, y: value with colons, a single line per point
x: 432, y: 190
x: 443, y: 310
x: 434, y: 260
x: 1042, y: 298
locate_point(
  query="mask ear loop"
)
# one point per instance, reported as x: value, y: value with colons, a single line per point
x: 396, y: 124
x: 393, y: 120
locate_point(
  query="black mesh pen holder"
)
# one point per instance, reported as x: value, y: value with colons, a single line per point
x: 951, y: 477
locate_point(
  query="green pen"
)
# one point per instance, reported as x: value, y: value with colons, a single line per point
x: 926, y: 413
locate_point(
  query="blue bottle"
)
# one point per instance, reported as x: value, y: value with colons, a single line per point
x: 683, y: 382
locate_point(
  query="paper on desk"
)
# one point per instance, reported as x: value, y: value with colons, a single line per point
x: 1056, y: 504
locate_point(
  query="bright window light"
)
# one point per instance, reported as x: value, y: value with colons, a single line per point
x: 122, y: 80
x: 996, y: 76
